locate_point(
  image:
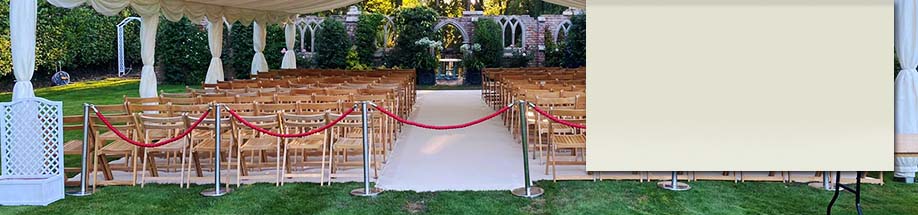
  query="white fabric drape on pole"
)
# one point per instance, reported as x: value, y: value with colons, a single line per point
x: 906, y: 82
x: 23, y: 21
x: 289, y: 61
x: 215, y: 42
x: 148, y: 26
x: 259, y: 64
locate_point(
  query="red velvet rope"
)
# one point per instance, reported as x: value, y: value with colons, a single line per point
x: 317, y: 130
x: 152, y: 145
x: 553, y: 118
x: 441, y: 127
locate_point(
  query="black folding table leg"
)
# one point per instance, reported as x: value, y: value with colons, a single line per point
x: 856, y: 191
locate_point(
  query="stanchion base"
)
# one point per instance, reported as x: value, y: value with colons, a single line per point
x: 821, y: 186
x: 213, y: 192
x: 533, y: 192
x: 373, y: 192
x: 77, y: 193
x: 669, y: 186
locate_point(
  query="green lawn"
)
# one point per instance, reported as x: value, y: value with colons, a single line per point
x: 574, y: 197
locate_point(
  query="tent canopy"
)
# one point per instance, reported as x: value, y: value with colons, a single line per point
x: 244, y: 11
x: 579, y: 4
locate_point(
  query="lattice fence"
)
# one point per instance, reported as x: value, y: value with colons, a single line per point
x: 31, y: 138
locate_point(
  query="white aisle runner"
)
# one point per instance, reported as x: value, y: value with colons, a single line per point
x: 481, y: 157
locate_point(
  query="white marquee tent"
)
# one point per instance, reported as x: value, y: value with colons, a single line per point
x: 23, y: 21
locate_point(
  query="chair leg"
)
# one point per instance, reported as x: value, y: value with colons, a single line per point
x: 143, y: 175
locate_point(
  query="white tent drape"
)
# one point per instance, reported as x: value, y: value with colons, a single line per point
x: 23, y: 21
x: 148, y: 26
x: 906, y: 43
x: 215, y: 42
x: 245, y: 11
x: 289, y: 61
x: 259, y: 64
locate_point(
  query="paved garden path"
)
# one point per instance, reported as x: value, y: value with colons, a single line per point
x: 481, y: 157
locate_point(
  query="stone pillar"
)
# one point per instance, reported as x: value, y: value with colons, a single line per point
x: 350, y: 20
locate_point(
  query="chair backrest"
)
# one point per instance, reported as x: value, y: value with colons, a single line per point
x: 137, y: 100
x: 556, y: 103
x: 268, y: 122
x: 328, y: 98
x: 338, y: 92
x: 73, y: 123
x: 308, y: 91
x: 218, y: 99
x: 303, y: 122
x: 175, y: 95
x: 255, y: 99
x: 292, y: 99
x: 581, y: 102
x: 244, y: 109
x: 179, y: 100
x: 332, y: 107
x: 119, y: 109
x: 124, y: 123
x: 577, y: 116
x: 274, y: 109
x: 152, y: 109
x: 190, y: 110
x: 147, y: 122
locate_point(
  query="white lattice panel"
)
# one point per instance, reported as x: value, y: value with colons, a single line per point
x: 31, y: 138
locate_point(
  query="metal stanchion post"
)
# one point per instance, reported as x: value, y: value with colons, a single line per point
x: 366, y: 190
x: 527, y: 190
x: 85, y: 153
x: 216, y: 191
x: 674, y: 184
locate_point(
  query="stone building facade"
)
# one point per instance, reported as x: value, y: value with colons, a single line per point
x: 528, y: 33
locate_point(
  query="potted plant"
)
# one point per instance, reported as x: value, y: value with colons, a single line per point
x: 471, y: 63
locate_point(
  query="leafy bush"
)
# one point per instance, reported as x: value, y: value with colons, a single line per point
x: 365, y: 37
x: 274, y: 44
x: 575, y: 50
x: 413, y: 24
x: 182, y: 55
x: 237, y: 51
x: 332, y: 44
x: 487, y: 34
x: 519, y: 58
x: 471, y: 63
x: 554, y: 52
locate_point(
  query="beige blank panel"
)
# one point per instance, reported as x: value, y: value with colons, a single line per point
x: 750, y: 85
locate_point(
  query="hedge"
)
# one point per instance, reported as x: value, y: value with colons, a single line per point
x: 332, y: 45
x: 365, y: 36
x: 575, y: 44
x: 487, y: 34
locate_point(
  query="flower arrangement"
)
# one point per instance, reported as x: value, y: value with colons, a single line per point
x: 431, y: 44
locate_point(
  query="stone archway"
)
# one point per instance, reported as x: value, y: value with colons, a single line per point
x: 444, y: 22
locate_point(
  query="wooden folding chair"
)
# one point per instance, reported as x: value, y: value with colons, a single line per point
x: 171, y: 126
x: 106, y: 144
x: 572, y: 140
x: 347, y: 140
x: 307, y: 146
x: 75, y: 147
x: 256, y: 143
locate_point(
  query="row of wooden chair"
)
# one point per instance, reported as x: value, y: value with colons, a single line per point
x: 559, y: 91
x: 105, y: 144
